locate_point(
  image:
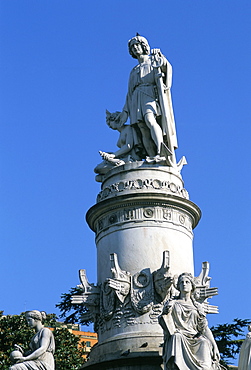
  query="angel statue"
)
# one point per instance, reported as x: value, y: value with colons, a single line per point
x: 148, y: 102
x: 189, y: 343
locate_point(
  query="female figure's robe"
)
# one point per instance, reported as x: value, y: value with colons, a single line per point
x: 43, y: 362
x: 187, y: 347
x: 245, y: 354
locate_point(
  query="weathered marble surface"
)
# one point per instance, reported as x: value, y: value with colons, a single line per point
x: 42, y: 346
x: 189, y: 343
x: 143, y: 222
x: 143, y: 203
x: 127, y: 144
x: 151, y: 134
x: 245, y: 353
x: 149, y: 97
x: 126, y: 309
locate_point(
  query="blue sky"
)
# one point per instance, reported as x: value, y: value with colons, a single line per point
x: 62, y: 64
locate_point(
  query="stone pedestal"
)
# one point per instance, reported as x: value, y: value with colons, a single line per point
x: 143, y: 221
x: 142, y: 211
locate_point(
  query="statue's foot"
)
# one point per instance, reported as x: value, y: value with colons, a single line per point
x: 156, y: 159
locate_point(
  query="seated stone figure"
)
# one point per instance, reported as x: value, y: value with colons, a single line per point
x: 189, y: 343
x: 245, y: 353
x: 42, y: 346
x: 128, y: 144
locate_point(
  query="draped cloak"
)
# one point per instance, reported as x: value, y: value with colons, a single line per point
x: 43, y: 362
x: 143, y: 97
x: 245, y: 354
x: 187, y: 346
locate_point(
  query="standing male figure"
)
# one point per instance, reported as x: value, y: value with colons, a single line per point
x: 148, y: 101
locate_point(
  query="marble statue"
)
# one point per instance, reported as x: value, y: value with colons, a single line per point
x: 148, y: 102
x: 128, y: 144
x: 42, y: 346
x: 189, y: 343
x: 151, y: 134
x: 245, y: 353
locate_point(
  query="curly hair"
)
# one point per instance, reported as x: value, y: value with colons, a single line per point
x: 142, y: 41
x: 189, y: 277
x: 112, y: 117
x: 36, y: 315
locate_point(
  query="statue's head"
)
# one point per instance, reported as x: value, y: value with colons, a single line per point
x: 139, y: 40
x: 36, y: 315
x: 188, y: 276
x: 111, y: 120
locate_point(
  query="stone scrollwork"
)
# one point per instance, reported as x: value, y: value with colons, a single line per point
x: 142, y: 293
x: 116, y: 287
x: 124, y: 299
x: 163, y: 280
x: 89, y: 298
x: 203, y: 290
x: 120, y: 281
x: 141, y: 279
x: 107, y: 301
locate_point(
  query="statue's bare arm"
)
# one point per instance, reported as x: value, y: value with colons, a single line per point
x: 45, y: 340
x: 209, y: 335
x: 126, y: 139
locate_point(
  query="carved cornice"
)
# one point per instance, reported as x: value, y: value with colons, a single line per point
x: 148, y: 202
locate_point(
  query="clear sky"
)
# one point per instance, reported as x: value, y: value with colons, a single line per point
x: 62, y: 64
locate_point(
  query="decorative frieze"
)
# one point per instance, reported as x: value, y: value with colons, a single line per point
x: 141, y: 214
x: 142, y: 184
x: 142, y: 293
x: 126, y: 300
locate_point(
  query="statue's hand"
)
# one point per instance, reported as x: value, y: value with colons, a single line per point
x: 167, y: 308
x: 156, y: 52
x: 18, y: 348
x: 158, y: 59
x: 216, y: 353
x: 20, y: 359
